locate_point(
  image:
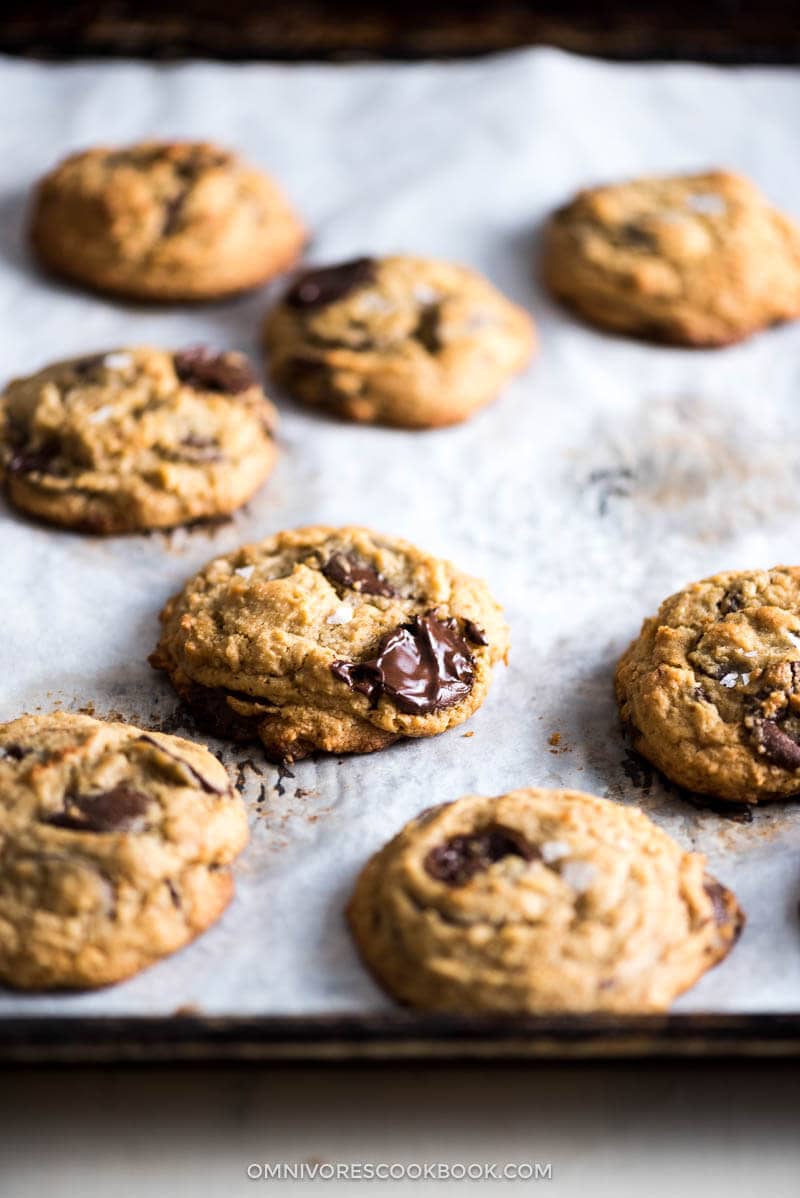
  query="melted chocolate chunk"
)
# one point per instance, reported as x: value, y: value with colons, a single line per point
x: 349, y: 571
x: 318, y: 288
x: 201, y: 368
x: 778, y: 746
x: 209, y: 787
x: 459, y: 859
x: 475, y: 633
x: 117, y: 810
x: 422, y: 667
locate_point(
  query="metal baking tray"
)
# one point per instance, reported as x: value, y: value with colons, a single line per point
x: 609, y: 476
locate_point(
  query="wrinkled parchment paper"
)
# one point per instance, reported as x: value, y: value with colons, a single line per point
x: 609, y: 476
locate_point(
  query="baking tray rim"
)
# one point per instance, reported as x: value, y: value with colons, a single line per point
x: 187, y: 1038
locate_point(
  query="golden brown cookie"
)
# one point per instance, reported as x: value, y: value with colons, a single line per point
x: 710, y: 689
x: 114, y: 845
x: 164, y: 221
x: 337, y: 639
x: 698, y: 260
x: 136, y: 438
x: 400, y: 341
x: 539, y: 901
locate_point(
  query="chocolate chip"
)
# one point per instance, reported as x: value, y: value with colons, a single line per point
x: 349, y: 571
x: 201, y: 368
x: 208, y: 787
x: 422, y: 667
x: 117, y: 810
x: 459, y: 859
x: 777, y: 746
x: 318, y: 288
x: 475, y: 633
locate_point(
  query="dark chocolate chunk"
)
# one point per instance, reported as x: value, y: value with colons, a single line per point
x: 633, y: 234
x: 201, y: 368
x: 459, y: 859
x: 210, y: 706
x: 209, y: 787
x: 173, y: 212
x: 427, y: 330
x: 318, y: 288
x: 13, y: 752
x: 34, y: 459
x: 349, y: 571
x: 422, y: 667
x: 86, y: 367
x: 731, y: 601
x: 475, y: 633
x: 117, y: 810
x: 727, y: 913
x: 778, y: 746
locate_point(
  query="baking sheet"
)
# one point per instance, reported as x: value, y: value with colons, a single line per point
x: 606, y: 478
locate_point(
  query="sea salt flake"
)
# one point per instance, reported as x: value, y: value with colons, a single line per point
x: 579, y: 875
x: 340, y: 615
x: 244, y: 571
x: 707, y: 203
x: 101, y: 414
x: 733, y: 679
x: 554, y: 850
x: 117, y: 361
x: 424, y: 294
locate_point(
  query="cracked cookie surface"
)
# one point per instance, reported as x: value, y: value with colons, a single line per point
x: 332, y: 639
x: 402, y: 341
x: 697, y: 260
x: 115, y: 845
x: 164, y: 221
x: 710, y: 689
x: 539, y: 901
x: 136, y: 439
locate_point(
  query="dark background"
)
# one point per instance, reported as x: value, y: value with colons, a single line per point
x: 714, y: 30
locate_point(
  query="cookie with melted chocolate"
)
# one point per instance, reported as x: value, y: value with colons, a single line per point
x: 116, y: 848
x: 710, y: 689
x: 539, y: 902
x: 331, y: 639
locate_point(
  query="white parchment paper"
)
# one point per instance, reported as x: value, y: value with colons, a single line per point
x: 609, y: 476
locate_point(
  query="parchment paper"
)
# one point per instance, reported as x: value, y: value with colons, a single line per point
x: 609, y: 476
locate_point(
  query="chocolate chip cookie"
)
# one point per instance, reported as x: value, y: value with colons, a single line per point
x: 164, y: 221
x: 333, y: 639
x: 115, y: 845
x: 697, y: 260
x: 399, y: 341
x: 710, y: 689
x: 136, y: 439
x: 539, y: 901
